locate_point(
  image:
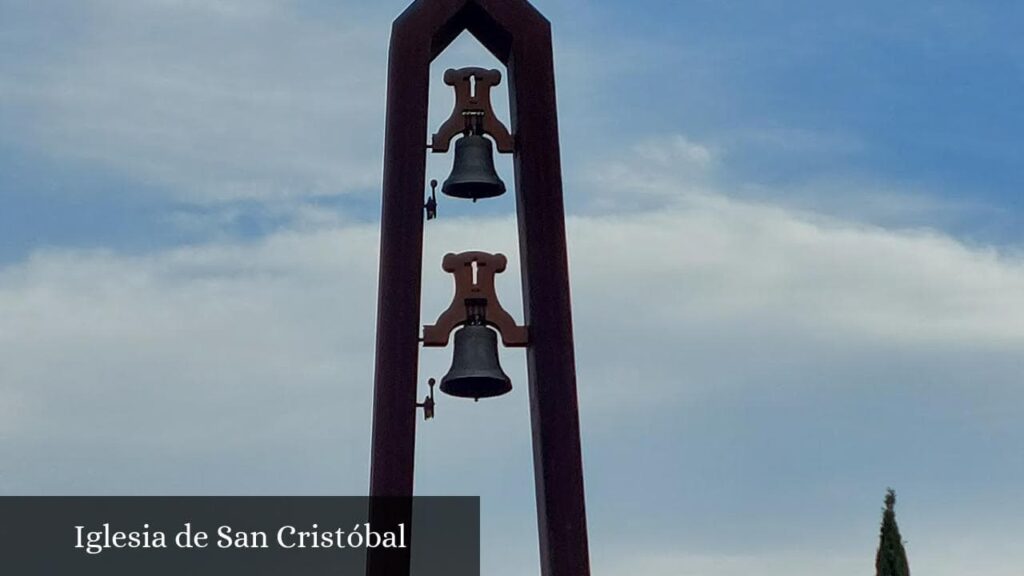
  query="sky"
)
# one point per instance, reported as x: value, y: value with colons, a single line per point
x: 820, y: 203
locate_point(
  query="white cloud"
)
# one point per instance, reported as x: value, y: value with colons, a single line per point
x: 753, y: 260
x: 955, y: 553
x: 650, y: 174
x: 207, y: 99
x: 679, y: 564
x: 236, y: 368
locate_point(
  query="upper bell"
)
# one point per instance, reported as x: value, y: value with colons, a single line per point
x: 475, y: 372
x: 473, y: 175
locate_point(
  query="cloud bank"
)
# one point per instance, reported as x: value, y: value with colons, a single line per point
x: 742, y: 361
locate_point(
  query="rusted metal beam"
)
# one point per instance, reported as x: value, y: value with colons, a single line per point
x: 520, y: 37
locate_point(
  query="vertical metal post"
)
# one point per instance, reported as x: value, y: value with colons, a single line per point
x: 551, y: 364
x: 398, y: 302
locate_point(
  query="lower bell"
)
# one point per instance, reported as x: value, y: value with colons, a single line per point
x: 475, y: 371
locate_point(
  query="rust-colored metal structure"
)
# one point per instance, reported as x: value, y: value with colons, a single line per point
x: 520, y: 37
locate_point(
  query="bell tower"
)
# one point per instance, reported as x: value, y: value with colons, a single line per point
x: 520, y: 38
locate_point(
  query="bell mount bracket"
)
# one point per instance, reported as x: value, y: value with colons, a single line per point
x: 474, y: 288
x: 472, y: 100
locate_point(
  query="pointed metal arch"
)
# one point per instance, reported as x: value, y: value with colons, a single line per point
x: 494, y: 23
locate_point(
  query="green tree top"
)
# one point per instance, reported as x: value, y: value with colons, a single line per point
x: 891, y: 559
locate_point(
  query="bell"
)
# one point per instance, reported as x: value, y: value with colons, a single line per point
x: 473, y: 174
x: 475, y: 372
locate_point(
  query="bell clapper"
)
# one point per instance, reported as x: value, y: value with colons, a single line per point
x: 428, y: 402
x: 431, y: 205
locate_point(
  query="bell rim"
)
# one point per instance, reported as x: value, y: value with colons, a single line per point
x: 462, y: 387
x: 447, y: 190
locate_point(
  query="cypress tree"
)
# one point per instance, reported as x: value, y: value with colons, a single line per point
x: 891, y: 559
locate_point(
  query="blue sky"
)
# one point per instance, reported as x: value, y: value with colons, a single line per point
x: 822, y: 202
